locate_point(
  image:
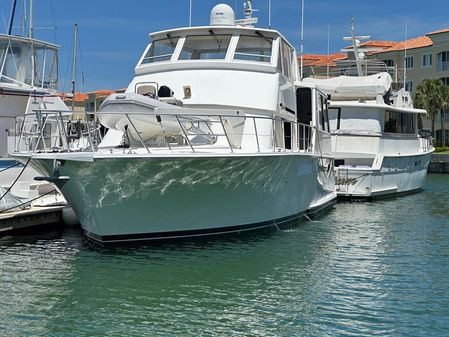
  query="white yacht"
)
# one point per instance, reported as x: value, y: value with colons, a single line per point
x: 214, y: 134
x: 378, y: 150
x: 28, y: 81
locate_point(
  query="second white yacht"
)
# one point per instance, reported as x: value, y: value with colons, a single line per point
x: 378, y: 150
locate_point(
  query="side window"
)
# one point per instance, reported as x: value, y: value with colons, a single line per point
x: 397, y: 122
x: 319, y: 103
x: 286, y: 62
x: 334, y: 118
x: 325, y: 113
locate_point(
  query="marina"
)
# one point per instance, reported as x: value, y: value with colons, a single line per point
x: 362, y: 269
x: 234, y: 186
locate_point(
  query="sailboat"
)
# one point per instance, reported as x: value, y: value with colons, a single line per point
x: 28, y: 82
x: 215, y: 134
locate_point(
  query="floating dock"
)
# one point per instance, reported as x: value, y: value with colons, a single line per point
x: 34, y: 218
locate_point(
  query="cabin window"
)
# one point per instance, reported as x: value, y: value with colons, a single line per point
x: 398, y: 122
x: 334, y: 119
x: 45, y: 68
x: 323, y: 115
x: 10, y: 64
x: 207, y: 47
x: 286, y: 59
x: 160, y: 50
x: 254, y: 48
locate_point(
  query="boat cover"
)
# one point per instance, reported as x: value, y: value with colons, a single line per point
x: 350, y: 87
x: 9, y: 202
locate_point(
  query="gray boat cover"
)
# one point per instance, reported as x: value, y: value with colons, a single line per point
x: 9, y: 202
x: 350, y: 87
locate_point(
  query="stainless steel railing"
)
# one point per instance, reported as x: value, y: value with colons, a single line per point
x: 52, y: 131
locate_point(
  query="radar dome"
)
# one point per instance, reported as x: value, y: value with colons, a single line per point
x: 222, y: 15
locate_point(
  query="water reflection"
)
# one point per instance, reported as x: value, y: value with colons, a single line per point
x: 363, y: 269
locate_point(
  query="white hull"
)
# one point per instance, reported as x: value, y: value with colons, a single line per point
x: 117, y: 199
x: 396, y: 175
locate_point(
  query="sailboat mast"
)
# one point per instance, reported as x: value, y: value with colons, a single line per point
x: 75, y: 46
x: 33, y: 60
x: 301, y: 73
x: 11, y: 19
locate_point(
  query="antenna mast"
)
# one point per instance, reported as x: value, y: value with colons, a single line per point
x: 405, y: 54
x: 248, y: 10
x: 302, y: 41
x: 74, y: 64
x: 358, y: 53
x: 11, y: 18
x: 190, y: 14
x: 33, y: 61
x: 269, y: 14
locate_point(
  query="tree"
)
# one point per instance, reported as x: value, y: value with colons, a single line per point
x: 433, y: 96
x: 444, y: 106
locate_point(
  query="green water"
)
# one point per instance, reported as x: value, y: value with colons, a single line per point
x: 363, y: 269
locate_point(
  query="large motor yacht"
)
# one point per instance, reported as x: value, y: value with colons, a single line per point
x: 375, y: 140
x: 214, y: 134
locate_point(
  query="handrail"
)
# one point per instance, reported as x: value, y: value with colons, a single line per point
x: 221, y: 130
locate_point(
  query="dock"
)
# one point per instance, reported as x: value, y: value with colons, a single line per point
x: 439, y: 163
x: 34, y: 218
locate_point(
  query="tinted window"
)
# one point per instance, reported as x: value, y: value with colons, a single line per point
x: 160, y: 50
x: 208, y: 47
x: 254, y: 48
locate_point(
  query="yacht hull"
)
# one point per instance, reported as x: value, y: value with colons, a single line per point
x: 123, y: 199
x: 397, y: 175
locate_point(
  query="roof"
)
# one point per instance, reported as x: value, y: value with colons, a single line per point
x: 79, y: 97
x: 417, y: 42
x: 220, y: 29
x: 102, y: 92
x: 322, y: 60
x: 444, y: 30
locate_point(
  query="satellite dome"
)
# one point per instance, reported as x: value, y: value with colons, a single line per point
x: 222, y: 15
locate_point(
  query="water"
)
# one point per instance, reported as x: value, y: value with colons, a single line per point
x: 364, y: 269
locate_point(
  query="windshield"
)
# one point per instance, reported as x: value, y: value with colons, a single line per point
x: 254, y: 48
x: 16, y: 64
x: 208, y: 47
x: 161, y: 50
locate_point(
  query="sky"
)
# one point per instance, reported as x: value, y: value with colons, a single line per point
x: 113, y: 33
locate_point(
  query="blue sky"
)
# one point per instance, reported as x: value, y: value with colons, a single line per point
x: 113, y: 33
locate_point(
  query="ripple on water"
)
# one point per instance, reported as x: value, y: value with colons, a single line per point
x: 363, y: 269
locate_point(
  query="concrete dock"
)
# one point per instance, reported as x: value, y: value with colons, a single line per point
x: 34, y: 218
x: 439, y: 163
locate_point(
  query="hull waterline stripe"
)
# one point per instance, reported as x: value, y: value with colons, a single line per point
x: 194, y: 233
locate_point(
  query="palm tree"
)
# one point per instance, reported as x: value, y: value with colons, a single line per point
x: 427, y: 98
x: 444, y: 106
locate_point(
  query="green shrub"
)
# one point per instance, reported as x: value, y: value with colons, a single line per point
x: 441, y: 149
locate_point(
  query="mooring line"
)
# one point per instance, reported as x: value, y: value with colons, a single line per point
x: 12, y: 185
